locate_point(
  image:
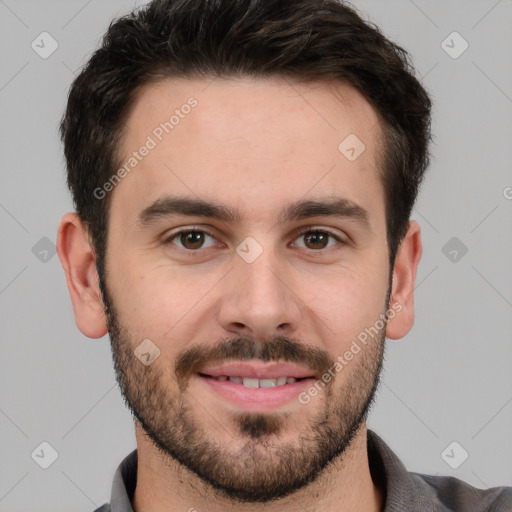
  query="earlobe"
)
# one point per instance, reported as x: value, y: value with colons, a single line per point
x: 79, y: 263
x: 404, y: 277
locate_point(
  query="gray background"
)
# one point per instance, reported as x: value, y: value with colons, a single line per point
x: 448, y: 380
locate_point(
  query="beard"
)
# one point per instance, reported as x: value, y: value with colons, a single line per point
x: 255, y: 464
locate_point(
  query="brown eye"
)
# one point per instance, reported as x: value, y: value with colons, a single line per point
x: 191, y: 240
x: 317, y: 239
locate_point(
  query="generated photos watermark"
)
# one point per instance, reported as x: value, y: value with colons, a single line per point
x: 152, y: 141
x: 343, y: 360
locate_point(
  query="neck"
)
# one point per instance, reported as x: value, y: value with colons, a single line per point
x: 164, y: 485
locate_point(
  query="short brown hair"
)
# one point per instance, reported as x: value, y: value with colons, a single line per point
x: 304, y: 39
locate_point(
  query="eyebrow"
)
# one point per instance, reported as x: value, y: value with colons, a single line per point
x: 170, y: 206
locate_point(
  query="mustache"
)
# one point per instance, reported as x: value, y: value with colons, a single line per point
x: 244, y: 348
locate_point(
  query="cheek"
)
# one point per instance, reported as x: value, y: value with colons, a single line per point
x: 153, y: 303
x: 352, y: 303
x: 160, y: 302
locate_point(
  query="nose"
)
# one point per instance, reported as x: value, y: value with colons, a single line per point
x: 258, y: 298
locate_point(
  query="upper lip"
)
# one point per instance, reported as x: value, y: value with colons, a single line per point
x: 257, y: 371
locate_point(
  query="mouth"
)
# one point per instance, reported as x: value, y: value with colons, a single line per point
x: 255, y: 386
x: 254, y: 382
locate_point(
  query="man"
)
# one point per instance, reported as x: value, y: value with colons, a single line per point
x: 243, y: 173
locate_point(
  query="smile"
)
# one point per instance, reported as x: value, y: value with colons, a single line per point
x: 251, y: 382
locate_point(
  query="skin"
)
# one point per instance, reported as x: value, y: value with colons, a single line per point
x: 254, y: 145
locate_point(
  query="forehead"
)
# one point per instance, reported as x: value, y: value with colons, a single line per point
x: 250, y: 143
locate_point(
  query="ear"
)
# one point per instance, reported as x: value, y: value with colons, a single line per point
x: 79, y: 262
x: 404, y: 275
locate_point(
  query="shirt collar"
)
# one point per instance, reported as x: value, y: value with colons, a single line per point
x: 401, y: 487
x: 123, y: 486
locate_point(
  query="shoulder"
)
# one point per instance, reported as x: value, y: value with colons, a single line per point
x: 103, y: 508
x: 456, y: 495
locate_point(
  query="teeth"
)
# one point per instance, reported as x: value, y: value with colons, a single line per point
x: 251, y: 382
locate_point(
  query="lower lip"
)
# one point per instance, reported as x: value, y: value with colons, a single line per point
x: 259, y: 399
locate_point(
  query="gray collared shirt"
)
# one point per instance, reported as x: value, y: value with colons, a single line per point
x: 404, y: 491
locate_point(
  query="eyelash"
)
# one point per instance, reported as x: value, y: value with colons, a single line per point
x: 174, y: 235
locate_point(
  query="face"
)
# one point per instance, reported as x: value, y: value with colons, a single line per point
x: 251, y: 252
